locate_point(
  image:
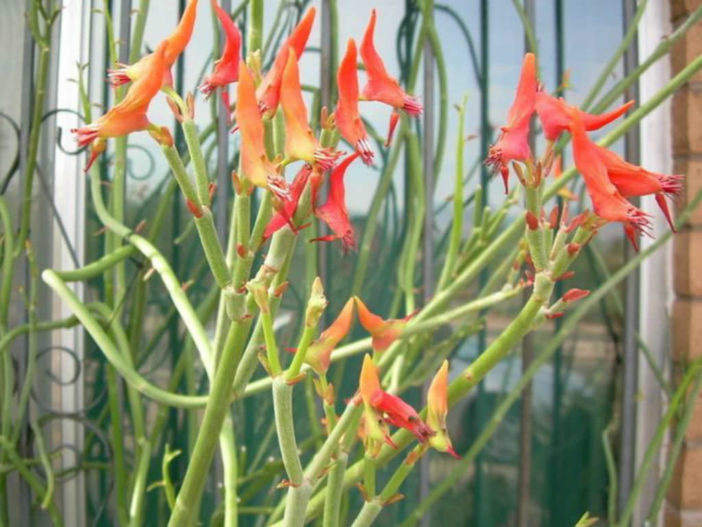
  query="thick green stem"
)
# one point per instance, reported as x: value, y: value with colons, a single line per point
x: 369, y: 512
x: 202, y: 182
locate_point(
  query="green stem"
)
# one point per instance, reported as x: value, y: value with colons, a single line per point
x: 255, y: 29
x: 457, y: 223
x: 618, y: 53
x: 138, y: 31
x: 202, y: 181
x: 35, y: 134
x: 112, y: 354
x: 369, y: 512
x: 227, y: 447
x: 652, y: 451
x: 161, y: 266
x: 690, y: 405
x: 299, y: 358
x: 117, y: 445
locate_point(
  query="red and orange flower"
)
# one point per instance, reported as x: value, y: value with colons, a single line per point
x: 175, y: 44
x: 226, y: 68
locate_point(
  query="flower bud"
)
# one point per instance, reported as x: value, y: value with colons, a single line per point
x: 575, y: 294
x: 316, y: 304
x: 532, y: 221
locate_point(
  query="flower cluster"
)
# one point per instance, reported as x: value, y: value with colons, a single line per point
x: 608, y: 178
x: 380, y: 407
x: 259, y: 96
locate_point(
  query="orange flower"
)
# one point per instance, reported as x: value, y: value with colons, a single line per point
x: 268, y: 92
x: 380, y: 86
x: 346, y: 116
x: 633, y: 180
x: 381, y: 407
x: 130, y: 114
x: 176, y: 43
x: 513, y: 143
x: 334, y: 212
x: 437, y: 408
x: 319, y: 353
x: 255, y: 165
x: 607, y: 202
x: 300, y: 142
x: 226, y: 70
x: 554, y: 114
x: 383, y: 332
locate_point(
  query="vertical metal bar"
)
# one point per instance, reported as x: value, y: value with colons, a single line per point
x: 223, y: 185
x: 485, y: 138
x: 555, y: 458
x: 428, y: 241
x: 627, y: 459
x: 525, y: 421
x: 73, y: 45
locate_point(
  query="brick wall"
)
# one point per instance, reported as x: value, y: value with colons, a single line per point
x: 684, y: 503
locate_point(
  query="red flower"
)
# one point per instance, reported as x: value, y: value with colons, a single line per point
x: 334, y: 212
x: 389, y: 408
x: 129, y: 115
x: 437, y: 409
x: 255, y: 165
x: 633, y: 180
x: 268, y: 92
x: 320, y: 351
x: 380, y: 86
x: 226, y: 70
x: 607, y: 202
x: 383, y: 332
x: 300, y: 142
x: 554, y: 114
x: 285, y: 213
x: 347, y: 118
x: 513, y: 143
x: 176, y: 43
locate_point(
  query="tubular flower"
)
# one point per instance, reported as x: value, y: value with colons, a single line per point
x: 226, y: 70
x: 255, y: 165
x: 176, y: 43
x: 607, y: 202
x: 555, y: 115
x: 334, y: 212
x: 129, y: 115
x: 383, y: 332
x: 300, y: 142
x: 285, y: 213
x: 381, y: 407
x: 346, y: 116
x: 380, y: 86
x: 437, y: 408
x: 633, y: 180
x: 319, y: 353
x: 513, y: 143
x: 268, y: 92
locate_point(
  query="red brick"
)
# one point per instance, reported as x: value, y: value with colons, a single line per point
x: 679, y: 8
x: 685, y: 490
x: 687, y: 329
x: 691, y: 168
x: 688, y: 255
x: 685, y: 50
x: 687, y: 125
